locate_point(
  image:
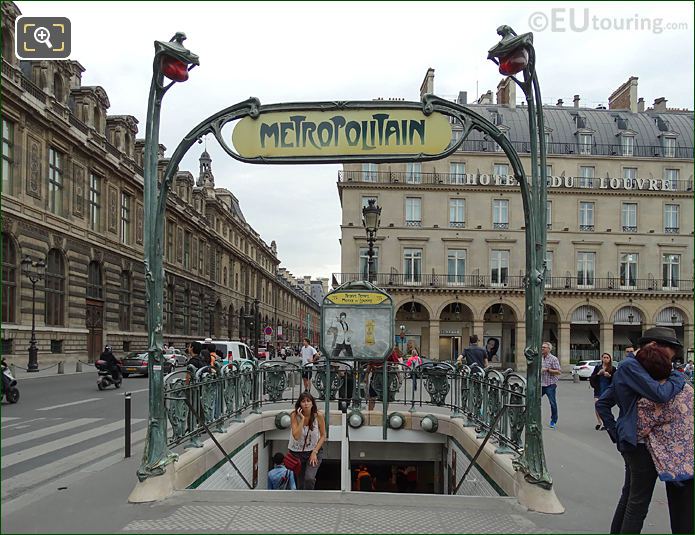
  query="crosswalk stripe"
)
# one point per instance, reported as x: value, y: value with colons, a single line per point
x: 5, y: 419
x: 39, y: 433
x: 49, y: 471
x: 68, y: 404
x: 21, y: 422
x: 48, y: 447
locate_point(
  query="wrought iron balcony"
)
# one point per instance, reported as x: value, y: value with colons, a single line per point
x: 671, y: 230
x: 628, y: 228
x: 586, y: 228
x: 413, y: 222
x: 457, y: 224
x: 500, y: 226
x: 516, y: 282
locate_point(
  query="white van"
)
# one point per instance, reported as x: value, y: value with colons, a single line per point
x: 231, y: 349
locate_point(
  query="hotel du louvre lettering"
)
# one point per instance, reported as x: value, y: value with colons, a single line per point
x: 647, y: 184
x: 332, y: 133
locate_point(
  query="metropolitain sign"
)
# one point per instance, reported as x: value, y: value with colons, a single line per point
x: 336, y: 133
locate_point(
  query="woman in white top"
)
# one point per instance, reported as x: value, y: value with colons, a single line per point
x: 306, y: 439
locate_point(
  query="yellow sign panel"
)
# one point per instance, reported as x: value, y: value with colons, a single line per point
x: 356, y: 298
x: 364, y: 132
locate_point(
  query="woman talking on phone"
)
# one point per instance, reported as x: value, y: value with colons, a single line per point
x: 306, y: 439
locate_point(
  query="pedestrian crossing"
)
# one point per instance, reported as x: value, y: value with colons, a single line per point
x: 38, y: 450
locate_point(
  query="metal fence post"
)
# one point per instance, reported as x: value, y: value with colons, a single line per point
x: 128, y: 397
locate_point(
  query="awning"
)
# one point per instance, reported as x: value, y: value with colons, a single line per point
x: 623, y: 339
x: 579, y: 337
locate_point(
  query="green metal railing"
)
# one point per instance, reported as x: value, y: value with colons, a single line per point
x: 491, y: 401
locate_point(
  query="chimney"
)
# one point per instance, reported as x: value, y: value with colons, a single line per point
x: 462, y: 98
x: 428, y: 83
x: 486, y: 98
x: 576, y: 101
x: 625, y: 97
x: 660, y: 104
x: 559, y: 102
x: 506, y: 93
x: 640, y: 104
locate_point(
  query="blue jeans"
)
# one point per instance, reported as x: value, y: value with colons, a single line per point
x: 550, y: 392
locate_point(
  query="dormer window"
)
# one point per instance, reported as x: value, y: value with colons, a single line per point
x: 627, y: 145
x: 585, y: 142
x: 669, y: 146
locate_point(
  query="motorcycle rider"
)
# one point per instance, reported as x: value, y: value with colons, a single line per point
x: 111, y: 362
x: 5, y: 379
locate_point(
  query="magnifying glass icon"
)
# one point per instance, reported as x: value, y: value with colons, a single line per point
x: 42, y: 35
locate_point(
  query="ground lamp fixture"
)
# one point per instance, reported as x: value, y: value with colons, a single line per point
x: 34, y: 270
x: 371, y: 215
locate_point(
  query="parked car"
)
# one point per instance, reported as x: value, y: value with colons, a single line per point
x: 584, y: 368
x: 231, y: 349
x: 176, y: 357
x: 136, y: 363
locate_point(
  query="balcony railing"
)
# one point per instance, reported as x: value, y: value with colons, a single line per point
x: 586, y: 228
x: 629, y: 228
x: 459, y: 179
x: 671, y: 230
x: 516, y: 282
x: 500, y: 226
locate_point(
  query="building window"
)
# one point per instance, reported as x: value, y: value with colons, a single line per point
x: 627, y: 145
x: 586, y: 176
x: 500, y: 214
x: 630, y: 173
x: 201, y: 256
x: 7, y: 156
x: 413, y: 211
x: 369, y: 172
x: 365, y: 202
x: 457, y: 173
x: 126, y: 201
x: 55, y: 181
x: 457, y: 213
x: 629, y: 217
x: 499, y: 267
x: 585, y: 142
x: 549, y: 170
x: 669, y: 144
x: 55, y: 288
x: 455, y: 136
x: 671, y: 178
x: 548, y: 215
x: 9, y: 280
x: 95, y: 288
x: 169, y: 321
x: 456, y: 266
x: 586, y: 216
x: 413, y: 173
x: 412, y: 265
x: 187, y: 312
x: 671, y: 218
x: 500, y: 169
x: 586, y: 265
x: 671, y: 270
x: 94, y: 201
x: 628, y: 270
x: 201, y: 315
x: 170, y: 241
x: 364, y: 262
x: 548, y: 268
x: 124, y: 302
x: 187, y: 250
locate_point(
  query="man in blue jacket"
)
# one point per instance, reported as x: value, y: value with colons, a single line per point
x: 631, y: 382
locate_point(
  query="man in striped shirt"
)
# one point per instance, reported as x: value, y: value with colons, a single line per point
x: 550, y: 375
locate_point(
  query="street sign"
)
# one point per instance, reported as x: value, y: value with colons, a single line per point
x: 268, y: 331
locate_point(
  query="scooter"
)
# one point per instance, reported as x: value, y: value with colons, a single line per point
x: 105, y: 379
x: 11, y: 393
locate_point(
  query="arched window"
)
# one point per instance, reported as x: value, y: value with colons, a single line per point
x: 55, y: 288
x: 95, y: 288
x: 97, y: 119
x: 58, y: 91
x: 124, y: 302
x: 9, y: 280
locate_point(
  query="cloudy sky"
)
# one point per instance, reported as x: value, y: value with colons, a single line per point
x: 296, y: 51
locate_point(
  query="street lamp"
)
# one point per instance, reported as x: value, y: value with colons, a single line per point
x: 35, y: 271
x: 370, y: 220
x: 252, y: 321
x: 515, y: 54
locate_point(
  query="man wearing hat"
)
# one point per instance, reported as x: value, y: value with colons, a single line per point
x: 631, y: 382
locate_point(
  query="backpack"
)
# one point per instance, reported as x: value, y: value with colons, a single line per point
x: 285, y: 481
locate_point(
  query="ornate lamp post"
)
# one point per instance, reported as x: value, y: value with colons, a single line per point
x: 515, y: 54
x: 370, y: 220
x: 173, y: 60
x: 253, y: 323
x: 34, y: 271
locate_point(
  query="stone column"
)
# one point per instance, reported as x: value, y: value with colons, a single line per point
x: 563, y: 350
x: 606, y: 338
x: 688, y: 342
x: 519, y: 358
x: 434, y: 340
x: 478, y: 328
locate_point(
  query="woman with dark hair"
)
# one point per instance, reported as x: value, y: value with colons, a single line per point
x: 667, y: 429
x: 492, y: 346
x: 306, y: 439
x: 600, y: 380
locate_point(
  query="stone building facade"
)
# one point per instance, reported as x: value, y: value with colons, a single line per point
x: 451, y: 245
x: 72, y: 194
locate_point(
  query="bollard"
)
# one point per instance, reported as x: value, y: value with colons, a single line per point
x: 575, y: 378
x: 127, y: 424
x: 78, y: 367
x: 61, y: 369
